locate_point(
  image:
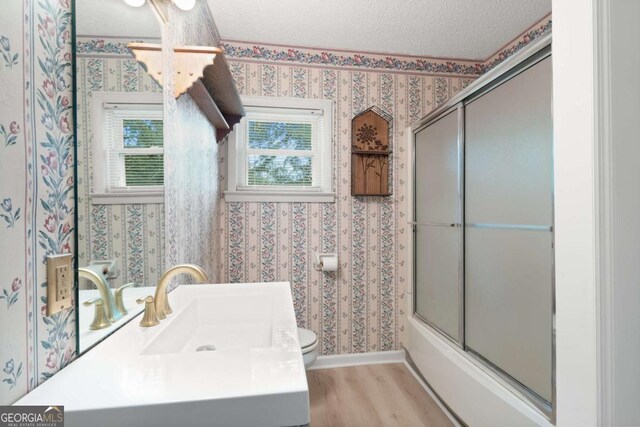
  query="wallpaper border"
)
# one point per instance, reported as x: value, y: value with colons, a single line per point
x: 239, y: 50
x: 107, y: 46
x: 272, y: 53
x: 387, y: 62
x: 541, y: 28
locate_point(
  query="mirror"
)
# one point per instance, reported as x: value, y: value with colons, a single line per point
x: 119, y: 167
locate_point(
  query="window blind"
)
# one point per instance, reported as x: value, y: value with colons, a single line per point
x: 282, y: 149
x: 134, y: 152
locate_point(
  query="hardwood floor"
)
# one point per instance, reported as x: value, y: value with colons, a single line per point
x: 371, y: 395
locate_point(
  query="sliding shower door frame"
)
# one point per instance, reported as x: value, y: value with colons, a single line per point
x: 461, y: 167
x: 494, y: 78
x: 459, y: 109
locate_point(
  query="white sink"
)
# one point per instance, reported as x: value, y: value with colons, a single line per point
x: 228, y: 355
x: 234, y: 322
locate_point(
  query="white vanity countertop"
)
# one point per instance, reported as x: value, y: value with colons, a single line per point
x: 125, y: 376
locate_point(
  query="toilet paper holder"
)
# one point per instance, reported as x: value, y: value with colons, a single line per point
x: 320, y: 260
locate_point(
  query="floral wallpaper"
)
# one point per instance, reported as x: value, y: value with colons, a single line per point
x: 191, y: 155
x: 360, y: 308
x: 132, y: 234
x: 36, y: 189
x: 357, y: 309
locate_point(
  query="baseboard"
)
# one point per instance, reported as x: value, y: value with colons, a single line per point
x: 373, y: 358
x: 377, y: 358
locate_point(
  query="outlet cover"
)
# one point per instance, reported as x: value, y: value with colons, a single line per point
x: 60, y: 278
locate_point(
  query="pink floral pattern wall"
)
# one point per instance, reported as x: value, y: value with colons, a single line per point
x: 36, y: 189
x: 132, y: 234
x: 360, y: 308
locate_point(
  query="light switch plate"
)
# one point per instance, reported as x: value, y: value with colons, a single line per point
x: 60, y: 280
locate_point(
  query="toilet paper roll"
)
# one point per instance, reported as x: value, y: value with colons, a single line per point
x: 329, y: 264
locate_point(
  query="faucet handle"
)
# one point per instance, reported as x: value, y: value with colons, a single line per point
x: 119, y: 301
x: 100, y: 319
x: 150, y: 317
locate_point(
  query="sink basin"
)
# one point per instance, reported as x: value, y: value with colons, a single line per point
x: 230, y: 323
x: 228, y: 356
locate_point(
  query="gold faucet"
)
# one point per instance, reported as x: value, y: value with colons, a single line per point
x: 106, y: 296
x: 119, y: 298
x: 162, y: 298
x: 150, y: 317
x: 100, y: 320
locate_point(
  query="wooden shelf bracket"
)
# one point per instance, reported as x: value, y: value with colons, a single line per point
x: 203, y: 72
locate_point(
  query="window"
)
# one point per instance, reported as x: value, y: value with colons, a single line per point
x: 128, y: 132
x: 135, y: 149
x: 281, y: 151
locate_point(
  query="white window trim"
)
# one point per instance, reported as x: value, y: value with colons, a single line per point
x: 99, y: 195
x: 326, y: 193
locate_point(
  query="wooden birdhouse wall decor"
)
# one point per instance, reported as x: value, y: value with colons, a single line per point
x: 370, y: 153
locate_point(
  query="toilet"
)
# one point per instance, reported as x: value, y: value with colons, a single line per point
x: 308, y: 345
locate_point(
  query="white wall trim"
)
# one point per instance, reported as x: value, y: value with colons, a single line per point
x: 604, y: 213
x: 616, y: 110
x: 357, y: 359
x: 577, y: 216
x: 287, y: 102
x: 126, y: 198
x: 283, y: 196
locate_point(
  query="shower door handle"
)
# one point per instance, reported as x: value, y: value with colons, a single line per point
x: 529, y: 227
x: 436, y: 224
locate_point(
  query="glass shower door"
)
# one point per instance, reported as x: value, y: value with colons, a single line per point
x: 438, y: 232
x: 508, y: 228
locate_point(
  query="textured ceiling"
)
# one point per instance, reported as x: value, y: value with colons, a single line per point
x: 114, y: 18
x: 472, y: 29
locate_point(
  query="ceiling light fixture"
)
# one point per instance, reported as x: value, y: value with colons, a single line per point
x: 135, y: 3
x: 185, y: 4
